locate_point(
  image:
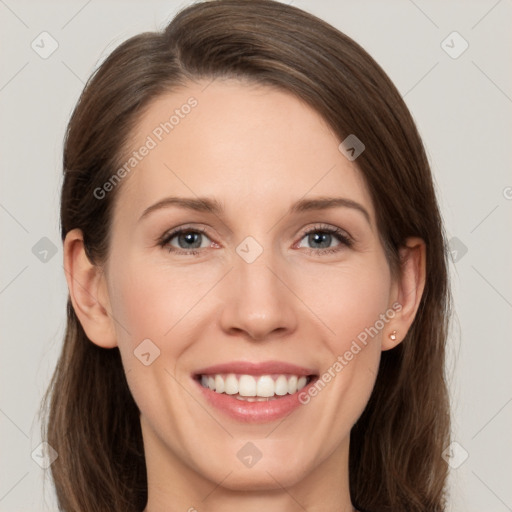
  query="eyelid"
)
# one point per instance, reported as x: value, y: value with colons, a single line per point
x: 328, y: 228
x: 343, y: 237
x: 171, y: 233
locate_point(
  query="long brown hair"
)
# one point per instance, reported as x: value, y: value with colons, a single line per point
x: 92, y: 420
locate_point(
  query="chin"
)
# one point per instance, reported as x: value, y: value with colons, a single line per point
x: 261, y: 478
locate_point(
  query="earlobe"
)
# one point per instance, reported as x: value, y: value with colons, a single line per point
x: 88, y: 292
x: 409, y: 290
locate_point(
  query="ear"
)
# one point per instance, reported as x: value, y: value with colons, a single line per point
x: 88, y: 292
x: 407, y: 290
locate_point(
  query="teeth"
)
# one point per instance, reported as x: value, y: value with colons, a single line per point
x: 251, y: 388
x: 247, y: 385
x: 281, y: 385
x: 230, y: 385
x: 265, y: 386
x: 219, y: 384
x: 254, y: 398
x: 301, y: 383
x: 292, y: 384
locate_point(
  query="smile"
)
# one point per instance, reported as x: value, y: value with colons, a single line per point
x: 254, y: 388
x: 254, y: 392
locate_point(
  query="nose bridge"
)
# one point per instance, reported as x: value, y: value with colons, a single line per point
x: 253, y: 270
x: 259, y: 303
x: 257, y: 278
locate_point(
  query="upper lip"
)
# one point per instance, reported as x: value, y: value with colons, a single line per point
x: 262, y: 368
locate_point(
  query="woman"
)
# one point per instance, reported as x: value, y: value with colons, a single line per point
x: 216, y: 357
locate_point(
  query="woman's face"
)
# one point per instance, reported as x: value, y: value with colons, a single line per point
x: 269, y: 299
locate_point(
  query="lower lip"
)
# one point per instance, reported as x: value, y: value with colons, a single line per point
x: 253, y: 412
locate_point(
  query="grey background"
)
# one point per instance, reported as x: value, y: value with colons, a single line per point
x: 463, y: 110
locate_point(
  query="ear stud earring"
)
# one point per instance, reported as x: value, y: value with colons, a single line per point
x: 393, y: 335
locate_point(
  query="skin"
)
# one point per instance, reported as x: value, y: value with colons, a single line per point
x: 257, y: 150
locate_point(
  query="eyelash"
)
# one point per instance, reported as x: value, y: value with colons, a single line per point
x: 342, y: 237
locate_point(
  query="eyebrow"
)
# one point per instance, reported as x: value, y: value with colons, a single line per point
x: 213, y: 206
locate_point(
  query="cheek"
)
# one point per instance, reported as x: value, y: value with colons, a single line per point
x: 353, y: 304
x: 150, y: 300
x: 350, y: 299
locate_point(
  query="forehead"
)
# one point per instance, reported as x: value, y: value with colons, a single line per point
x: 253, y: 147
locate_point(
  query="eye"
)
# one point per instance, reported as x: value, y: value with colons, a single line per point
x: 187, y: 239
x: 190, y: 241
x: 321, y: 237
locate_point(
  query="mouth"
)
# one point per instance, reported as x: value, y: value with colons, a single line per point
x: 254, y: 388
x: 254, y: 392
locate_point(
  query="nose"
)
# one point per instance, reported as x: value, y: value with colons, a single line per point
x: 259, y: 302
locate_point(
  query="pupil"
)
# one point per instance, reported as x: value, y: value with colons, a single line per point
x: 316, y: 236
x: 189, y: 237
